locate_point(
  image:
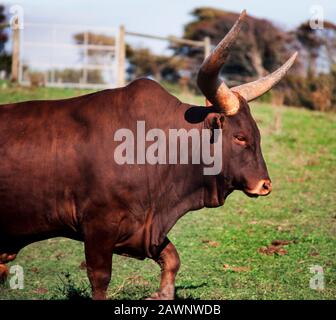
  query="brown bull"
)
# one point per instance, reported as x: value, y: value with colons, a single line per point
x: 59, y: 177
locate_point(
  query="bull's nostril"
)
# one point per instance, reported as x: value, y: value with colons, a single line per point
x: 267, y: 185
x: 263, y: 188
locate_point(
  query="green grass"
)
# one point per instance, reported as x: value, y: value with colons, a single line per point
x: 10, y: 93
x: 300, y: 149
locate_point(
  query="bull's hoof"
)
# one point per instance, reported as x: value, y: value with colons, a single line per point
x: 160, y: 296
x: 5, y: 257
x: 3, y: 273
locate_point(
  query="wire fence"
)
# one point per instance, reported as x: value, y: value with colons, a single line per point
x: 77, y: 56
x: 66, y: 56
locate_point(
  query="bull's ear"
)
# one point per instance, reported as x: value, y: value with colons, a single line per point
x: 214, y: 120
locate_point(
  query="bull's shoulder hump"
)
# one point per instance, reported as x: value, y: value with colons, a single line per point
x: 149, y: 90
x: 144, y: 84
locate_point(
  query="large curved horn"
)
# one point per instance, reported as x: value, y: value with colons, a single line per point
x: 255, y: 89
x: 214, y: 89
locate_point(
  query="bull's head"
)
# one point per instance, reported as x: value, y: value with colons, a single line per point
x: 244, y: 163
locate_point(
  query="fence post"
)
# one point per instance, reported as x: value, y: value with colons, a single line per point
x: 15, y: 51
x: 86, y: 43
x: 207, y: 46
x: 121, y: 56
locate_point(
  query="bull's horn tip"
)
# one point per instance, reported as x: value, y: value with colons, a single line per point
x: 242, y: 15
x: 293, y: 57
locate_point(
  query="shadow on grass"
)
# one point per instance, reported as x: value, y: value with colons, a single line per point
x: 68, y: 290
x: 188, y: 287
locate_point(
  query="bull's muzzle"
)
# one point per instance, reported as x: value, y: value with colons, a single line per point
x: 263, y: 188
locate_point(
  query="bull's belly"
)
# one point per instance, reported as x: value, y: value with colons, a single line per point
x: 27, y: 228
x: 29, y: 217
x: 13, y: 243
x: 23, y: 222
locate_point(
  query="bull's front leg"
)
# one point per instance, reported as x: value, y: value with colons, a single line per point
x: 99, y: 244
x: 169, y: 262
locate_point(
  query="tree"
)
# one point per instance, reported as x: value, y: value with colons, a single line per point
x: 144, y: 63
x: 315, y: 43
x: 260, y: 48
x: 316, y: 87
x: 3, y: 35
x: 5, y: 58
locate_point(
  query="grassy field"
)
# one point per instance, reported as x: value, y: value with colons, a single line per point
x: 223, y: 250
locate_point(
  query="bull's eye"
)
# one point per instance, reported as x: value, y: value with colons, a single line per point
x: 240, y: 139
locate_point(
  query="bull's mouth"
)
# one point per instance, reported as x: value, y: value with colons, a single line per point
x: 251, y: 194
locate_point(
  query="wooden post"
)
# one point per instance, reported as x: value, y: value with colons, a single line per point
x: 15, y: 51
x: 207, y: 46
x: 85, y: 71
x: 121, y: 57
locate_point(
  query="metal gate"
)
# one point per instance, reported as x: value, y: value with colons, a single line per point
x: 68, y: 56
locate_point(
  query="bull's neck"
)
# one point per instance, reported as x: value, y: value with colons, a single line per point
x: 209, y: 190
x: 213, y: 188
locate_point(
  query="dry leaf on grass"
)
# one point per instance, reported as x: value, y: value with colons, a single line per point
x: 270, y: 250
x: 314, y: 254
x: 60, y: 255
x: 211, y: 243
x: 41, y: 290
x: 82, y: 266
x: 276, y: 247
x: 281, y: 242
x: 236, y: 269
x: 284, y: 227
